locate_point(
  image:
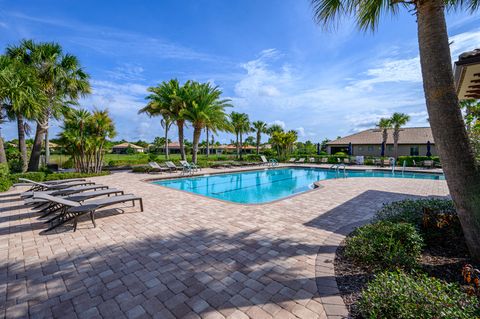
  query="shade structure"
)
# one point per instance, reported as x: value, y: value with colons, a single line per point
x: 429, y: 153
x: 382, y: 154
x: 350, y: 150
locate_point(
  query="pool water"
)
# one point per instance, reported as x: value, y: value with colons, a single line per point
x: 262, y: 186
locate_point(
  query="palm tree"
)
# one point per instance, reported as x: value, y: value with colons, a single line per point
x: 161, y: 102
x: 274, y: 128
x: 63, y: 82
x: 397, y: 121
x: 384, y: 124
x: 259, y: 127
x: 448, y: 127
x: 21, y: 95
x: 204, y: 107
x: 240, y: 125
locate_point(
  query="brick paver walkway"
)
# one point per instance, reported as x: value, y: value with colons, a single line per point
x: 188, y: 256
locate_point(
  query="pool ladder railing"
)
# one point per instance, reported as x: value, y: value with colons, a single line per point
x: 337, y: 168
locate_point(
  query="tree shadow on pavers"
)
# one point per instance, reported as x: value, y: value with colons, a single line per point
x: 12, y: 208
x: 9, y: 195
x: 11, y: 199
x: 359, y: 208
x: 197, y: 271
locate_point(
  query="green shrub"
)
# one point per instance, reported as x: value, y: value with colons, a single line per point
x: 411, y: 211
x: 252, y: 158
x: 385, y: 245
x: 342, y: 154
x: 141, y: 169
x: 5, y: 184
x: 402, y: 296
x: 409, y: 159
x: 34, y: 176
x: 4, y: 170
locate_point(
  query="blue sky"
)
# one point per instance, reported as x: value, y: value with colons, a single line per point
x: 268, y: 56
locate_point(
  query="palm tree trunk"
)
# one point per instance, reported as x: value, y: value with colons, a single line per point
x: 3, y: 156
x: 448, y: 127
x: 22, y: 146
x: 166, y: 141
x: 196, y: 139
x: 47, y: 147
x: 258, y: 142
x: 395, y: 143
x: 180, y: 124
x: 208, y: 142
x: 241, y: 146
x: 236, y: 145
x: 34, y: 162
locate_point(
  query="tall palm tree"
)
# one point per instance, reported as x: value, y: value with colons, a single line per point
x: 456, y: 153
x: 63, y: 81
x: 384, y: 124
x: 397, y: 121
x: 204, y: 107
x: 21, y: 96
x: 161, y: 103
x: 259, y: 127
x: 240, y: 125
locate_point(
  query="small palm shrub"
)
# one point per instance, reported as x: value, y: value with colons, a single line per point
x: 403, y: 296
x: 385, y: 245
x: 5, y: 181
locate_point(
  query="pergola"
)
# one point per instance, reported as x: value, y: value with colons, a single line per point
x: 467, y: 75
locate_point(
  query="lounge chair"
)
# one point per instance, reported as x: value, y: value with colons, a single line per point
x: 71, y: 210
x: 46, y: 207
x: 155, y: 167
x: 264, y: 160
x: 377, y: 162
x: 28, y: 182
x: 186, y: 167
x: 67, y: 191
x: 292, y: 160
x: 428, y: 164
x: 301, y: 160
x: 173, y: 167
x: 346, y: 161
x: 193, y: 167
x: 37, y: 186
x: 386, y: 162
x: 311, y: 159
x: 324, y: 160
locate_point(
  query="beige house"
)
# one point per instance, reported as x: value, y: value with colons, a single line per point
x: 413, y: 142
x: 122, y: 148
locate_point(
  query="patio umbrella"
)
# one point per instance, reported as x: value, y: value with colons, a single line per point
x: 350, y: 148
x: 383, y: 150
x: 318, y: 148
x: 428, y: 149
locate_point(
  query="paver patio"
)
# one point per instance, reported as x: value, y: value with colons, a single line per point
x: 188, y: 256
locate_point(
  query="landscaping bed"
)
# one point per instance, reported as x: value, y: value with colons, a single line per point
x: 443, y: 255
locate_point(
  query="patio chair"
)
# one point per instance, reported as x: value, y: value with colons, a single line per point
x: 28, y: 182
x: 186, y: 167
x: 46, y: 207
x: 292, y: 160
x: 386, y: 163
x: 172, y: 167
x: 71, y: 210
x: 156, y: 168
x: 346, y: 161
x: 428, y: 164
x: 37, y: 186
x: 66, y: 191
x: 301, y: 160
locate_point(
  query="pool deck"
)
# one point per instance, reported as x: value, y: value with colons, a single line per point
x: 188, y: 256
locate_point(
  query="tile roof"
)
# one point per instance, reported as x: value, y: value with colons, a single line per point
x: 408, y: 135
x: 127, y: 145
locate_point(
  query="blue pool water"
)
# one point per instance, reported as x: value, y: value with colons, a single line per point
x: 262, y: 186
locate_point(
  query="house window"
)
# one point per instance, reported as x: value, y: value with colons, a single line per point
x: 370, y: 148
x: 390, y: 148
x: 414, y: 151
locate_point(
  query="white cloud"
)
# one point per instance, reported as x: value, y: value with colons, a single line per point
x: 278, y: 122
x: 127, y: 72
x: 466, y: 41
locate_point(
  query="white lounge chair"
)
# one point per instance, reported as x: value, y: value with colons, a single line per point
x: 301, y: 160
x: 292, y: 160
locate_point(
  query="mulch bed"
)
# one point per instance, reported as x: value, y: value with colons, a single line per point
x: 442, y: 258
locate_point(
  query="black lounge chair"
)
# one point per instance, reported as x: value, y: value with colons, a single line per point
x: 65, y: 191
x: 41, y: 186
x: 71, y: 210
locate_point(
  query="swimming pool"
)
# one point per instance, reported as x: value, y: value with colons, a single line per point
x: 262, y: 186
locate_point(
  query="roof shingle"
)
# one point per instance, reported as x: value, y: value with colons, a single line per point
x: 408, y: 135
